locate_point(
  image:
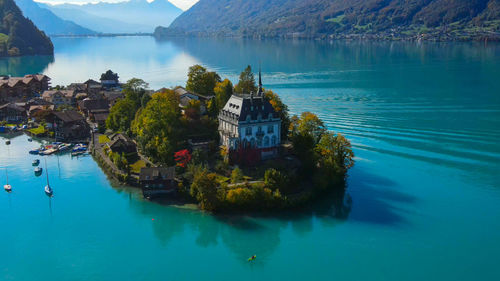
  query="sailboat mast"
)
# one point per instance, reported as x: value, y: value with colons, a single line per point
x: 46, y: 172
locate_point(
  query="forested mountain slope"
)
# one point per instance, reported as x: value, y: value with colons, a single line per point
x: 337, y: 18
x: 18, y: 35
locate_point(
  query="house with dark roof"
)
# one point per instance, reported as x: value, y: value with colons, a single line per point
x: 93, y: 87
x: 100, y: 119
x: 120, y: 143
x: 77, y: 87
x: 70, y: 126
x: 249, y: 127
x: 34, y: 109
x: 22, y: 88
x: 60, y: 97
x: 12, y: 113
x: 88, y: 106
x: 186, y: 96
x: 156, y: 181
x: 112, y: 96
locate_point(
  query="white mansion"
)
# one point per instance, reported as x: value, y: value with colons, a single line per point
x: 250, y: 122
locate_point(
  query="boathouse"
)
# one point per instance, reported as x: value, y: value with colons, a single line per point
x: 156, y: 181
x: 120, y: 143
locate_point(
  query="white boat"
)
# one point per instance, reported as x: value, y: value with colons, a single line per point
x: 49, y: 151
x: 64, y: 147
x: 7, y: 187
x: 48, y: 190
x: 38, y: 171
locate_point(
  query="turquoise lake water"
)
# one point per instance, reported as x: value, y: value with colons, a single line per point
x: 424, y: 120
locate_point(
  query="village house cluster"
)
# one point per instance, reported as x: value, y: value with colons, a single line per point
x: 249, y: 127
x: 69, y: 111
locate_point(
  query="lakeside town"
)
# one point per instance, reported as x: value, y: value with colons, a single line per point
x: 224, y: 147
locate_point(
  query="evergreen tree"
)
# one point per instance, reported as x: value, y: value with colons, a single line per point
x: 247, y: 84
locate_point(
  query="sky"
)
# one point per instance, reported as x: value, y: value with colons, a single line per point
x: 183, y: 4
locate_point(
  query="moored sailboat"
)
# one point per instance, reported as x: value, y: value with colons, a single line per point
x: 48, y: 190
x: 7, y: 187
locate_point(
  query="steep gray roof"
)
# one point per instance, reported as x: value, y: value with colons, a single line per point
x: 240, y: 107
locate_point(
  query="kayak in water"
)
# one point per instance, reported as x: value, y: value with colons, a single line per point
x: 252, y: 258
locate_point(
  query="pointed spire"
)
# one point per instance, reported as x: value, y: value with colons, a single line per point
x: 260, y: 82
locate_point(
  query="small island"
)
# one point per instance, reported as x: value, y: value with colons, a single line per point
x: 223, y: 147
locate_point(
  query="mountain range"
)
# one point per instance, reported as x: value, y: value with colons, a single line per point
x: 50, y: 23
x: 122, y: 17
x: 447, y: 19
x: 18, y: 35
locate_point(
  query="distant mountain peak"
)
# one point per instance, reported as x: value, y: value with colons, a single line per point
x: 48, y: 21
x: 120, y: 17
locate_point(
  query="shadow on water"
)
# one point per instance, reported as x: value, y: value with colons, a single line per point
x: 377, y: 200
x: 20, y: 66
x: 370, y: 198
x: 244, y: 235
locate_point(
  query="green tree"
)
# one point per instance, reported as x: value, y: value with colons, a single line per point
x: 282, y: 109
x: 204, y: 186
x: 199, y: 156
x: 274, y: 179
x: 109, y: 75
x: 223, y: 91
x: 135, y: 85
x: 237, y: 175
x: 193, y: 110
x: 247, y: 84
x: 135, y: 90
x: 201, y: 81
x: 308, y: 124
x: 121, y: 115
x: 157, y: 127
x: 305, y: 133
x: 335, y: 153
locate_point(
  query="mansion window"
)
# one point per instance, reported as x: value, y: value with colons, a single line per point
x: 248, y: 131
x: 273, y: 141
x: 270, y: 129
